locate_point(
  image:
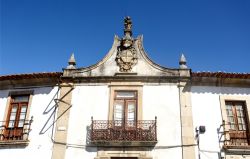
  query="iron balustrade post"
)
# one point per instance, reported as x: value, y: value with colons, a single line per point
x: 29, y: 129
x: 155, y: 128
x: 136, y: 129
x: 92, y: 126
x: 22, y: 135
x: 224, y: 132
x: 9, y: 133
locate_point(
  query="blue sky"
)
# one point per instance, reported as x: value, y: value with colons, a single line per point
x: 40, y: 35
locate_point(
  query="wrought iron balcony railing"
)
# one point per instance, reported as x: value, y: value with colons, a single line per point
x: 236, y: 136
x: 15, y: 133
x: 124, y: 133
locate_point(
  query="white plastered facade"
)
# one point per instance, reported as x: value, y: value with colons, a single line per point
x: 40, y: 143
x: 209, y: 111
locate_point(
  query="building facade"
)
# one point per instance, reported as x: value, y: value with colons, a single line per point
x: 125, y: 107
x: 220, y: 101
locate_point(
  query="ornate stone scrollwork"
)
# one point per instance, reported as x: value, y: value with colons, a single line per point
x: 126, y: 56
x: 126, y: 59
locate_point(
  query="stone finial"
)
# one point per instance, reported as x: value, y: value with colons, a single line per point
x: 71, y: 62
x: 127, y: 26
x: 127, y: 39
x: 183, y: 62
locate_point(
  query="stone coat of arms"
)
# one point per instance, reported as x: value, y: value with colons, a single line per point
x: 126, y: 57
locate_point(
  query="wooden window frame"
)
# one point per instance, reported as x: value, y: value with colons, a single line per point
x: 15, y: 132
x: 125, y: 86
x: 126, y: 102
x: 235, y: 114
x: 18, y: 113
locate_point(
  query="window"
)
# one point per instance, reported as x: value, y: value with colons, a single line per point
x: 237, y: 123
x: 125, y: 105
x: 16, y: 126
x: 123, y: 93
x: 236, y: 115
x: 17, y: 112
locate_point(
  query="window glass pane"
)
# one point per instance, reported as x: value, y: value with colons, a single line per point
x: 243, y: 121
x: 118, y: 111
x: 118, y: 115
x: 231, y: 123
x: 229, y: 112
x: 131, y: 114
x: 21, y: 98
x: 14, y: 108
x: 244, y: 127
x: 11, y: 124
x: 22, y: 116
x: 21, y: 123
x: 12, y: 116
x: 23, y: 109
x: 131, y: 111
x: 125, y: 94
x: 232, y: 126
x: 229, y: 109
x: 231, y: 119
x: 240, y: 127
x: 238, y: 112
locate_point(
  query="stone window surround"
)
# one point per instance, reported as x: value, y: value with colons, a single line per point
x: 242, y: 98
x: 224, y: 98
x: 125, y: 86
x: 23, y: 92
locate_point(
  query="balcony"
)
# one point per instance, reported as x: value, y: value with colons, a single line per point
x: 123, y: 133
x: 236, y: 139
x: 15, y: 135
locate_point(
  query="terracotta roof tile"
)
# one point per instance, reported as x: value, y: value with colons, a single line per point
x: 31, y: 76
x: 221, y: 75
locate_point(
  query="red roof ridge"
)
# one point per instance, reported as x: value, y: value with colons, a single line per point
x: 30, y: 75
x: 220, y: 74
